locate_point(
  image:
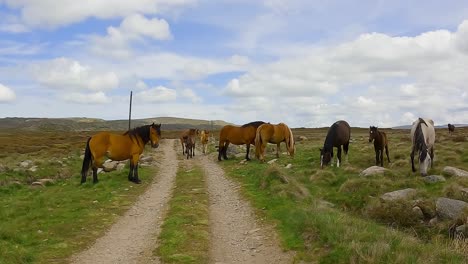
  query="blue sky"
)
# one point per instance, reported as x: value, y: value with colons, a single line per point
x: 305, y: 63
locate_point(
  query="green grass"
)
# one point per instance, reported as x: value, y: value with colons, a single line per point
x: 184, y: 237
x: 48, y: 224
x: 356, y: 227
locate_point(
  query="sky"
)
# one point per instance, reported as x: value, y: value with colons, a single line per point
x: 306, y: 63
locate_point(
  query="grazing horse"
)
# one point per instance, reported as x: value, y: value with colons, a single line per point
x: 380, y: 142
x: 237, y: 136
x: 192, y: 132
x: 275, y: 134
x: 204, y: 136
x: 338, y: 134
x: 423, y: 138
x: 119, y: 147
x: 451, y: 128
x: 189, y: 142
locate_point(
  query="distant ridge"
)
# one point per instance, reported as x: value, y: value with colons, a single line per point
x: 439, y: 126
x: 95, y: 124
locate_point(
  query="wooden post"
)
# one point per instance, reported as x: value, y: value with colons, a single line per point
x: 130, y: 111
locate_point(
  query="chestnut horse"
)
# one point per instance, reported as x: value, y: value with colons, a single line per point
x: 204, y: 136
x: 380, y: 142
x: 119, y: 147
x: 237, y: 136
x: 275, y: 134
x: 338, y: 134
x: 192, y: 132
x: 423, y: 138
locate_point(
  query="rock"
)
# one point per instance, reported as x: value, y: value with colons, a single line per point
x: 120, y: 166
x: 452, y: 171
x: 433, y: 221
x: 302, y: 138
x: 449, y: 208
x: 26, y: 164
x: 37, y: 183
x: 243, y: 161
x: 374, y: 170
x: 418, y: 212
x: 110, y: 166
x: 99, y: 170
x: 464, y: 193
x: 33, y: 168
x: 272, y: 161
x: 46, y: 181
x: 404, y: 194
x: 288, y: 166
x: 147, y: 159
x: 434, y: 178
x: 461, y: 231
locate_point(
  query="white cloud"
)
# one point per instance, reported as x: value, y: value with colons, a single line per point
x: 14, y: 28
x: 135, y: 27
x: 92, y: 98
x: 6, y: 94
x: 141, y: 85
x: 38, y: 13
x: 65, y: 74
x: 156, y: 94
x: 190, y: 95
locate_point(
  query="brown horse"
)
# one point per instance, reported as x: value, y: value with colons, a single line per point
x: 237, y: 136
x: 451, y: 128
x: 380, y: 142
x: 192, y: 132
x: 275, y: 134
x: 189, y: 142
x: 204, y: 136
x: 118, y: 147
x: 338, y: 135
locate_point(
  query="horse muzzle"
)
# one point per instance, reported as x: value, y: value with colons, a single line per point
x: 154, y: 145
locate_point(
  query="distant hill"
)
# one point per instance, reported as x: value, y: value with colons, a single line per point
x: 94, y: 124
x: 440, y: 126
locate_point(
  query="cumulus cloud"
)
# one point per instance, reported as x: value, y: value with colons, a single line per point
x: 38, y: 13
x: 134, y: 27
x: 156, y: 95
x: 67, y: 74
x: 90, y: 98
x: 190, y: 95
x: 6, y: 94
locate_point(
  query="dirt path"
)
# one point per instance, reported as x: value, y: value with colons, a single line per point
x: 236, y: 235
x: 133, y: 237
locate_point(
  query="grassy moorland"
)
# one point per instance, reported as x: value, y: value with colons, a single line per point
x: 184, y: 236
x: 335, y: 216
x: 48, y: 224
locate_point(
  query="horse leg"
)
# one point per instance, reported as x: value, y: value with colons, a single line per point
x: 381, y: 157
x: 95, y: 179
x: 412, y: 160
x: 135, y: 174
x: 376, y: 155
x: 248, y: 151
x: 226, y: 145
x: 182, y: 143
x: 346, y: 148
x: 386, y: 152
x: 277, y: 149
x: 338, y: 156
x: 431, y: 153
x: 130, y: 172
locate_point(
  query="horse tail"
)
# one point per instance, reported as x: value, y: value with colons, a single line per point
x: 258, y: 142
x: 86, y: 161
x: 291, y: 142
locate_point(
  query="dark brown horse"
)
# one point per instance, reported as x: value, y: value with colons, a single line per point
x: 451, y: 128
x: 237, y: 136
x: 119, y: 147
x: 380, y: 142
x: 192, y: 132
x: 189, y: 142
x: 338, y: 135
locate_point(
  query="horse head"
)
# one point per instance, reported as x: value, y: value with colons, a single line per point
x: 372, y: 133
x: 155, y: 135
x: 325, y: 156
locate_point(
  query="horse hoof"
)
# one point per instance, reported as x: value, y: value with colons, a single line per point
x: 137, y: 181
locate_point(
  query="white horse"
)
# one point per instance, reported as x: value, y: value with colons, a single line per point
x: 423, y: 138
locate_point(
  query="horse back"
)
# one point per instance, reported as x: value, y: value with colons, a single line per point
x: 343, y: 133
x: 237, y: 135
x: 115, y: 146
x: 428, y: 131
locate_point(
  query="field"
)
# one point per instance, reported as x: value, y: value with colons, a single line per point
x: 336, y: 214
x: 330, y: 215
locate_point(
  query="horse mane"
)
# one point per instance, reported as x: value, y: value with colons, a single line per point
x: 143, y: 132
x: 331, y: 135
x: 419, y: 139
x: 255, y: 124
